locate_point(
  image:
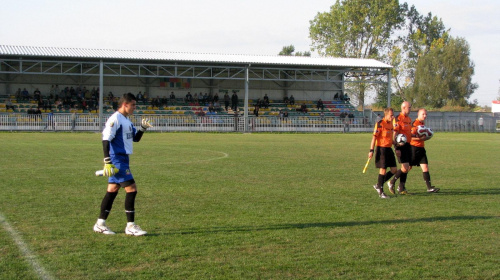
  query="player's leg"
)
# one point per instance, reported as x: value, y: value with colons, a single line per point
x: 390, y: 161
x: 106, y: 205
x: 379, y: 187
x: 427, y: 178
x: 131, y: 228
x: 380, y: 163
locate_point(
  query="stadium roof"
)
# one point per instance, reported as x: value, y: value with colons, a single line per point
x: 165, y: 56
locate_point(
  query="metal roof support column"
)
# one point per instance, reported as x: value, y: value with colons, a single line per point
x: 389, y: 75
x: 245, y: 113
x: 101, y: 94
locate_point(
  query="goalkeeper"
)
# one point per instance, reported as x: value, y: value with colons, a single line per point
x: 117, y: 137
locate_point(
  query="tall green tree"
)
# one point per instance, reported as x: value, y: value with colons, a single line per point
x: 414, y: 41
x: 443, y: 76
x: 357, y: 29
x: 289, y: 51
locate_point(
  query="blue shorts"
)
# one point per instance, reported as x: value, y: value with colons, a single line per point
x: 122, y: 163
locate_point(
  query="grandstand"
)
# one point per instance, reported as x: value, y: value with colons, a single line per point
x: 157, y: 74
x: 180, y: 106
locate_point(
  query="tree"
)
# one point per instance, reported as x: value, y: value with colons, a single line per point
x: 289, y: 50
x: 416, y: 38
x: 443, y: 76
x: 357, y: 29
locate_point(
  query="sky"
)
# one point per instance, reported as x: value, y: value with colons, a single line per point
x: 257, y: 27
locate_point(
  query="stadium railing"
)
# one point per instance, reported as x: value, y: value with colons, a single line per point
x: 224, y: 123
x: 192, y: 123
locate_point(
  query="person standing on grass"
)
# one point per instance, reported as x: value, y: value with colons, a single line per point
x: 383, y: 135
x: 418, y: 153
x: 117, y: 139
x: 402, y: 125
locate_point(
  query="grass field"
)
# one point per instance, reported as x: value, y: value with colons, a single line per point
x: 248, y: 206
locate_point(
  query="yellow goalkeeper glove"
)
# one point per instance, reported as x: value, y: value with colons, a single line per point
x: 145, y: 124
x: 109, y: 168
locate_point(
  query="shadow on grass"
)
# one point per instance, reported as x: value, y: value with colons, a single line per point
x: 325, y: 225
x: 470, y: 191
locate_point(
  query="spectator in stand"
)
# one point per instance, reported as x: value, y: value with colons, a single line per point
x: 189, y: 97
x: 266, y: 101
x: 94, y: 94
x: 226, y: 101
x: 110, y: 96
x: 351, y: 117
x: 285, y: 114
x: 37, y: 95
x: 19, y: 94
x: 256, y: 110
x: 234, y: 101
x: 216, y: 97
x: 336, y: 97
x: 217, y: 106
x: 25, y: 94
x: 140, y: 97
x: 9, y: 105
x: 72, y: 92
x: 164, y: 101
x: 172, y: 97
x: 211, y: 108
x: 292, y: 100
x: 303, y: 108
x: 40, y: 103
x: 320, y: 105
x: 195, y: 97
x: 286, y: 100
x: 346, y: 98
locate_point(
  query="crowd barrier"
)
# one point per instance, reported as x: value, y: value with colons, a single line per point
x: 225, y: 123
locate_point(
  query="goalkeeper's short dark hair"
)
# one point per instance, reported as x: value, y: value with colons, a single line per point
x: 127, y: 97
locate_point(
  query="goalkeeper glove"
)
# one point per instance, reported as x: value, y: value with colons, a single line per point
x: 109, y: 168
x: 145, y: 124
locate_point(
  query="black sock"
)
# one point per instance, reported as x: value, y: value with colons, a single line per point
x: 129, y: 206
x: 107, y: 204
x: 388, y: 176
x: 403, y: 177
x: 402, y: 181
x: 396, y: 176
x: 427, y: 179
x: 380, y: 183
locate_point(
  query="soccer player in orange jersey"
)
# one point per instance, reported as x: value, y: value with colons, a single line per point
x: 418, y: 153
x: 383, y: 135
x: 402, y: 125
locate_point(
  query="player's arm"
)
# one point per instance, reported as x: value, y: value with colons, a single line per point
x: 372, y: 146
x: 145, y: 124
x: 109, y: 168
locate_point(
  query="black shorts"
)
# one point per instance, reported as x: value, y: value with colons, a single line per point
x: 418, y: 156
x: 384, y: 157
x: 405, y: 153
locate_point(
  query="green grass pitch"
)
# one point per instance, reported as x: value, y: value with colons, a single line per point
x: 248, y: 206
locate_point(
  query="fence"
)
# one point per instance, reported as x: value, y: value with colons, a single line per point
x: 215, y: 123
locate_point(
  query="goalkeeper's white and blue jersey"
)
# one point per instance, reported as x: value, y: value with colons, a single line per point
x: 119, y: 131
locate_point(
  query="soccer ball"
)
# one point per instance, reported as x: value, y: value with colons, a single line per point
x: 422, y: 130
x: 401, y: 139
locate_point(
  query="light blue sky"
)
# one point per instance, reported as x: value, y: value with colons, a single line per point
x: 226, y: 26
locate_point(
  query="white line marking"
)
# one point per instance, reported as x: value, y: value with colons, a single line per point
x: 26, y: 252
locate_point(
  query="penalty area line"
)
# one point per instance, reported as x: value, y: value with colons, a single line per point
x: 25, y: 251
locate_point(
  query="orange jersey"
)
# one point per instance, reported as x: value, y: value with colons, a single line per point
x: 383, y: 132
x: 416, y: 143
x: 402, y: 124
